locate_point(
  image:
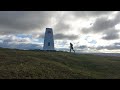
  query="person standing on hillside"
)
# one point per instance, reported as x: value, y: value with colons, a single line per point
x: 71, y: 47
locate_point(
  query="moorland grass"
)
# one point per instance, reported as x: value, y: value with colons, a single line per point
x: 21, y: 64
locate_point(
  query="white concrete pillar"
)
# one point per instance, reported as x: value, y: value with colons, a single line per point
x: 48, y: 40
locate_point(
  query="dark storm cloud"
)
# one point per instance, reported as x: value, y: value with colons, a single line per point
x: 12, y: 21
x: 62, y: 37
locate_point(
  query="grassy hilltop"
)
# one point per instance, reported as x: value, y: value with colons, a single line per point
x: 18, y: 64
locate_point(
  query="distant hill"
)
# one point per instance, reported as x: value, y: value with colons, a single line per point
x: 25, y: 64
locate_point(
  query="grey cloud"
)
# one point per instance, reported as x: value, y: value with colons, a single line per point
x: 21, y: 46
x: 83, y: 47
x: 117, y: 18
x: 100, y: 47
x: 23, y: 21
x: 61, y: 26
x: 104, y: 26
x: 38, y: 35
x: 111, y: 35
x: 90, y: 13
x: 22, y: 40
x: 62, y: 36
x: 86, y: 30
x: 114, y: 46
x: 13, y: 39
x: 100, y: 25
x: 117, y: 44
x: 28, y: 46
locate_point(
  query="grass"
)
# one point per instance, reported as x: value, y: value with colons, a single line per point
x: 18, y: 64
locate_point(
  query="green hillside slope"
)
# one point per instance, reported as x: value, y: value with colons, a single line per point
x: 18, y: 64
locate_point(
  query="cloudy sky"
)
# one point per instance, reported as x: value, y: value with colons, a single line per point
x: 89, y: 31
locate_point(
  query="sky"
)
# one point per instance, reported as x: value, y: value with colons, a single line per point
x: 89, y: 31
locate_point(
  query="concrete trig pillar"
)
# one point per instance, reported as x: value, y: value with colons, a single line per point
x: 48, y: 40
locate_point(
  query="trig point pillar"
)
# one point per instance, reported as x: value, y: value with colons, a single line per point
x: 48, y: 40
